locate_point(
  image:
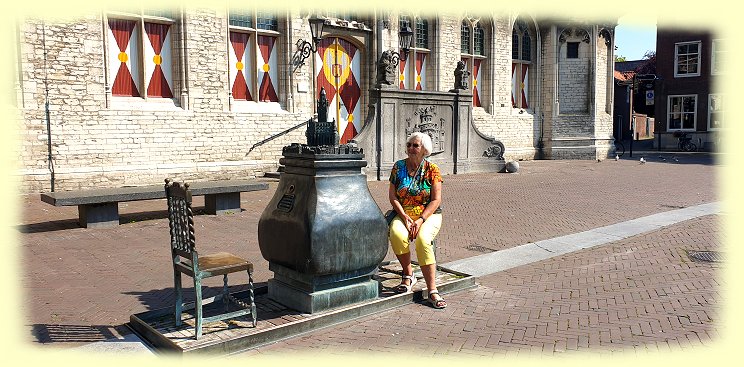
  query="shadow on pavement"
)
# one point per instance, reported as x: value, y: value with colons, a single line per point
x: 162, y: 298
x: 124, y: 218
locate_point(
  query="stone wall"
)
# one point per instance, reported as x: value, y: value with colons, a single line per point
x: 138, y: 142
x: 102, y: 141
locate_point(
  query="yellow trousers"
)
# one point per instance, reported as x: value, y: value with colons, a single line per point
x: 424, y: 252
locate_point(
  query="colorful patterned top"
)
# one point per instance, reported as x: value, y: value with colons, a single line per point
x: 414, y: 192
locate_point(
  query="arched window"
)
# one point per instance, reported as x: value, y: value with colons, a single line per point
x: 253, y: 55
x: 522, y: 63
x: 473, y: 54
x: 414, y: 69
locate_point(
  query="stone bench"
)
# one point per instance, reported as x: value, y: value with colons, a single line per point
x: 100, y: 207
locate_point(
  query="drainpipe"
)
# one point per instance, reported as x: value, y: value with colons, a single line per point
x: 50, y: 158
x: 289, y: 43
x: 540, y: 144
x: 456, y: 129
x: 593, y: 86
x: 184, y: 74
x: 378, y: 103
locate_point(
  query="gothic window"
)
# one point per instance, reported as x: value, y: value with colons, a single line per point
x: 414, y: 69
x: 473, y: 53
x: 522, y: 64
x: 253, y: 55
x: 140, y: 50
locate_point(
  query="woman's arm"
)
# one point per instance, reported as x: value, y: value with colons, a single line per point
x: 398, y: 207
x: 436, y: 198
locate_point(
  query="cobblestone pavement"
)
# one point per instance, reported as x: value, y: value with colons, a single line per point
x: 80, y: 285
x: 639, y: 294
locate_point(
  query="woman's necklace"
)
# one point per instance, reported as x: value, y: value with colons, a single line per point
x: 414, y: 182
x: 412, y: 172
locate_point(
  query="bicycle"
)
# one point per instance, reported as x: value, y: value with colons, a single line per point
x: 685, y: 143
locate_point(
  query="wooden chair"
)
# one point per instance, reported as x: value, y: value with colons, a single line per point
x: 186, y: 260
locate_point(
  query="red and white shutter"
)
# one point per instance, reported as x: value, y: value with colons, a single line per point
x: 477, y: 82
x: 158, y: 61
x: 514, y: 85
x: 524, y: 86
x: 403, y: 72
x: 267, y: 70
x: 338, y: 72
x: 420, y: 81
x: 349, y: 58
x: 241, y: 79
x: 124, y: 60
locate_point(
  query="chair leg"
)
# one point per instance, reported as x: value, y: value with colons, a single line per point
x: 252, y: 298
x: 225, y: 299
x: 179, y: 296
x: 198, y: 307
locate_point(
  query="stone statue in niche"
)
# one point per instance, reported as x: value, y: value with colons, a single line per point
x: 386, y: 69
x: 461, y: 76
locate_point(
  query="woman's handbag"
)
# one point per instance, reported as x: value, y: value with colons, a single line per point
x: 390, y: 215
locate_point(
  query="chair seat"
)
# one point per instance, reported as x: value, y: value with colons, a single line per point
x: 218, y: 264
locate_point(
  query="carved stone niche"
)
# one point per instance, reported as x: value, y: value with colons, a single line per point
x: 607, y: 35
x: 427, y: 124
x: 574, y: 32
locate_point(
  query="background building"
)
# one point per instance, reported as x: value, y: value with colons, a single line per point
x: 629, y: 124
x: 128, y: 97
x: 687, y: 100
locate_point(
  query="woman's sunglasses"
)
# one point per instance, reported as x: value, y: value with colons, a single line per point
x: 415, y: 145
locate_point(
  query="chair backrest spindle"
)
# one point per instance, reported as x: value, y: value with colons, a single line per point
x: 180, y: 219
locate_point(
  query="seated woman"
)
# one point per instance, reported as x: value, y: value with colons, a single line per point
x: 415, y: 193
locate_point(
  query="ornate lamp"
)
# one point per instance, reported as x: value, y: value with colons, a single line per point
x: 405, y: 36
x: 305, y: 48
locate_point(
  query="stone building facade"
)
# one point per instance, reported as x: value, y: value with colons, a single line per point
x: 78, y: 130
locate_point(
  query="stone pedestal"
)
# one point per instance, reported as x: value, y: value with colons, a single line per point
x: 322, y: 232
x: 316, y: 293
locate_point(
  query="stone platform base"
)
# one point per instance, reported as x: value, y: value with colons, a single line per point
x: 276, y: 321
x: 312, y: 302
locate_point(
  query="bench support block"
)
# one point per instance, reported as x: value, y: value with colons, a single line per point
x: 227, y: 203
x: 98, y: 215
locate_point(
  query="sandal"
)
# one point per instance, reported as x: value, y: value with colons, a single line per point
x: 402, y: 287
x: 436, y: 302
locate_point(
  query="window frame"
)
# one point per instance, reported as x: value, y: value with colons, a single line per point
x: 471, y: 55
x: 677, y: 45
x: 523, y: 26
x: 721, y: 111
x: 415, y: 49
x: 568, y: 49
x: 716, y: 57
x: 254, y: 32
x: 693, y: 112
x: 141, y: 16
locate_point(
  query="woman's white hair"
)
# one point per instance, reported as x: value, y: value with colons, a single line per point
x: 425, y: 140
